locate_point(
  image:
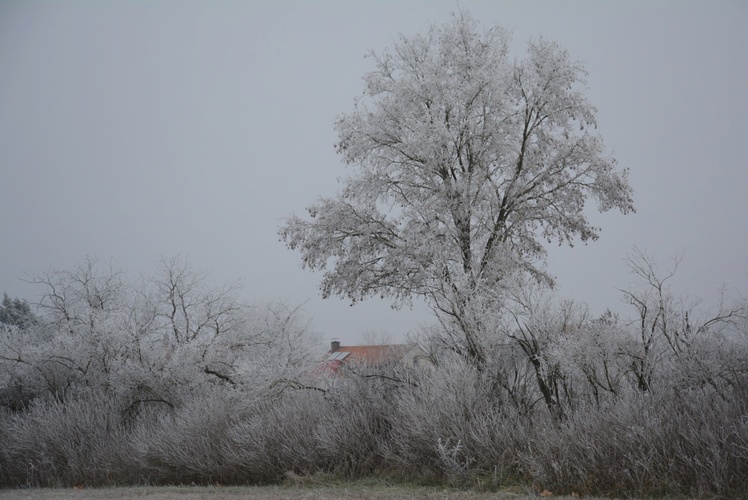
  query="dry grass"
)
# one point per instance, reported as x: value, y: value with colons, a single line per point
x: 336, y: 492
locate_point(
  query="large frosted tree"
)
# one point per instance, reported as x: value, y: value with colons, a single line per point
x: 465, y: 160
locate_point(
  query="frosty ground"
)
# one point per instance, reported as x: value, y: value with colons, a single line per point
x: 337, y: 492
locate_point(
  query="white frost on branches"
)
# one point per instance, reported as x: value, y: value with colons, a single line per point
x: 464, y: 162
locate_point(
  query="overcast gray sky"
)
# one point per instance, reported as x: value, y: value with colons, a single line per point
x: 135, y: 130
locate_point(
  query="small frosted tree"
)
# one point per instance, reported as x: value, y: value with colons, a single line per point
x: 16, y: 312
x: 676, y: 337
x: 465, y: 161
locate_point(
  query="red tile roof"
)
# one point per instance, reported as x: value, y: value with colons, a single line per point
x: 373, y: 355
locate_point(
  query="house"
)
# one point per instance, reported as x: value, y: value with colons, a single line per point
x: 410, y: 355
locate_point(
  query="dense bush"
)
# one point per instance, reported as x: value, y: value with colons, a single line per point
x: 105, y: 396
x: 441, y: 429
x: 79, y: 441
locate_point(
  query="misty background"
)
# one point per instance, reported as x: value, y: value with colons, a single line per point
x: 135, y: 130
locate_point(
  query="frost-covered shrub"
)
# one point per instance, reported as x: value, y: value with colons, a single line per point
x: 159, y: 340
x: 361, y: 417
x: 187, y: 444
x: 452, y: 419
x: 78, y: 441
x: 643, y: 445
x: 273, y: 439
x: 559, y: 401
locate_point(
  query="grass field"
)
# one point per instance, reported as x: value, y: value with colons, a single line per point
x: 336, y: 492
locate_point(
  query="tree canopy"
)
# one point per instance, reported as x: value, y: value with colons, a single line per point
x: 465, y: 161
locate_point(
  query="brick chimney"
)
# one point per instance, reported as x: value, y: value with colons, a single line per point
x: 334, y: 345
